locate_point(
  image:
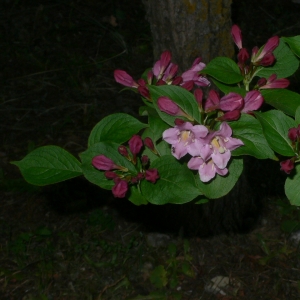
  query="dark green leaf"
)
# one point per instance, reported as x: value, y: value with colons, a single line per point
x: 249, y: 130
x: 282, y: 99
x: 292, y: 186
x: 175, y: 185
x: 222, y: 185
x: 223, y: 69
x: 294, y: 43
x: 226, y: 89
x: 48, y: 165
x: 275, y: 125
x: 117, y: 128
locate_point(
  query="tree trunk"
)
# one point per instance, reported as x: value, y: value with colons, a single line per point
x: 190, y: 28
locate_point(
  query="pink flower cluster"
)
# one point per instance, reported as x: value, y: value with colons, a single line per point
x: 165, y: 72
x: 121, y: 175
x: 294, y: 135
x: 210, y: 151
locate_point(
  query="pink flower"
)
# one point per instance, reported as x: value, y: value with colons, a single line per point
x: 252, y: 101
x: 184, y: 138
x: 230, y: 116
x: 110, y: 175
x: 193, y: 74
x: 212, y: 102
x: 231, y: 101
x: 293, y: 134
x: 124, y: 78
x: 207, y: 170
x: 267, y: 60
x: 152, y: 175
x: 273, y: 83
x: 243, y: 56
x: 149, y: 143
x: 120, y: 188
x: 287, y: 166
x: 218, y: 146
x: 135, y: 144
x: 170, y: 73
x: 236, y: 34
x: 101, y: 162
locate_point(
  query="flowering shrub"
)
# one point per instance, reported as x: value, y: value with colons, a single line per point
x: 193, y: 144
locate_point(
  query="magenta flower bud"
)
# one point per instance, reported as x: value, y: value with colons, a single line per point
x: 177, y: 80
x: 152, y: 175
x: 150, y: 77
x: 230, y: 116
x: 261, y: 82
x: 212, y: 102
x: 110, y: 175
x: 293, y: 134
x: 232, y: 101
x: 145, y: 160
x: 198, y: 93
x: 120, y: 188
x: 253, y: 101
x: 144, y: 92
x: 287, y: 166
x: 141, y: 82
x: 124, y: 78
x: 188, y: 85
x: 269, y: 47
x: 123, y: 151
x: 135, y: 144
x: 168, y: 106
x: 140, y: 176
x: 149, y: 143
x: 165, y: 59
x: 237, y: 36
x: 243, y: 56
x: 267, y: 60
x: 104, y: 163
x: 274, y: 83
x: 179, y: 122
x: 170, y: 72
x: 160, y: 82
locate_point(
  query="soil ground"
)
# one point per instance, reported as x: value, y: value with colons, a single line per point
x: 72, y: 241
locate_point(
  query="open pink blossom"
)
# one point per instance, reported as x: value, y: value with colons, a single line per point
x: 218, y: 146
x: 252, y: 101
x: 193, y: 74
x: 207, y: 170
x: 184, y: 138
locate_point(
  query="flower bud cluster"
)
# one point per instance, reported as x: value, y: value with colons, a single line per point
x: 260, y: 57
x: 288, y: 165
x: 123, y: 177
x: 164, y: 72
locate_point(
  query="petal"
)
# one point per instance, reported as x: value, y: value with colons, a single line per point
x: 225, y: 130
x: 233, y: 143
x: 231, y: 102
x: 207, y: 172
x: 253, y: 101
x: 171, y: 135
x: 221, y: 160
x: 195, y: 163
x: 179, y: 150
x: 200, y: 131
x: 221, y: 172
x: 206, y: 151
x: 194, y: 148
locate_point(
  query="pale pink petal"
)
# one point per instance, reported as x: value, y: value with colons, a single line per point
x: 221, y: 160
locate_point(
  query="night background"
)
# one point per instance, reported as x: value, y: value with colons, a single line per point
x: 75, y: 241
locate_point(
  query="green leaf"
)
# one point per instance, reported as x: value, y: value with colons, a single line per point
x: 226, y: 89
x: 297, y: 115
x: 110, y: 150
x: 294, y: 43
x: 292, y: 186
x: 282, y: 99
x: 158, y: 277
x: 275, y: 125
x: 48, y: 165
x: 185, y: 100
x: 117, y: 128
x: 136, y: 197
x: 222, y: 185
x: 223, y: 69
x: 286, y: 63
x: 175, y: 185
x: 249, y: 130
